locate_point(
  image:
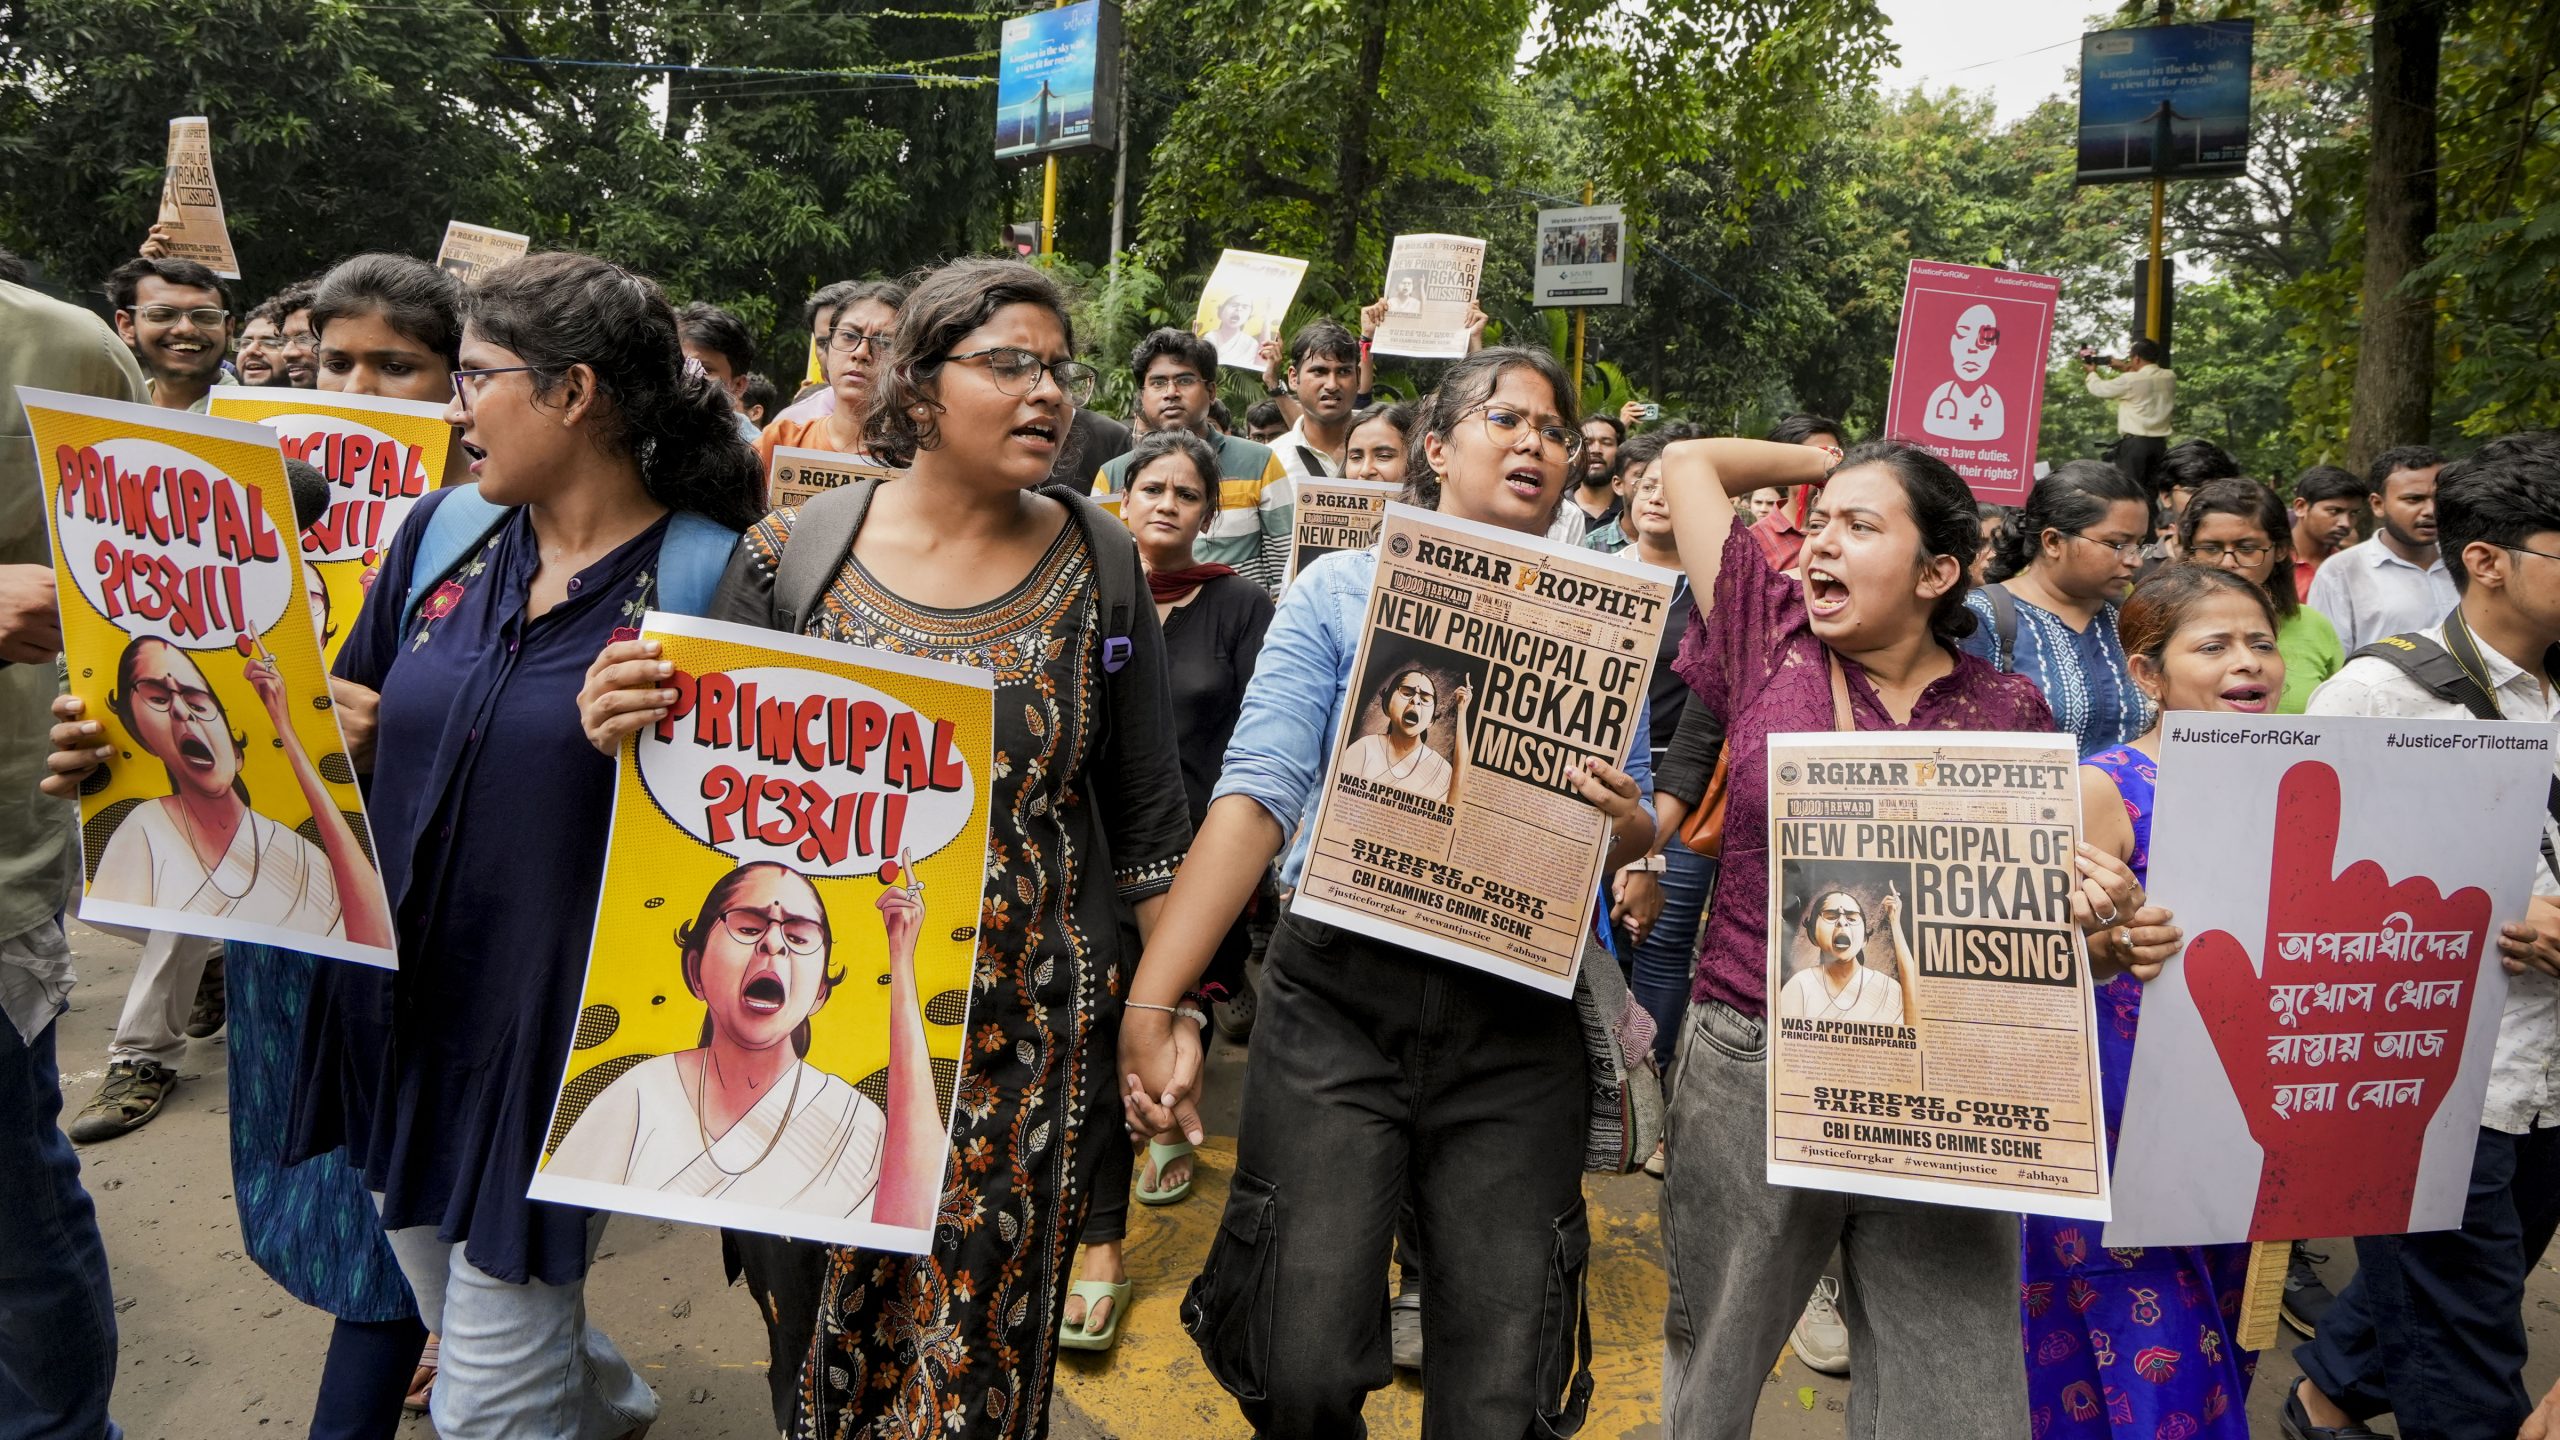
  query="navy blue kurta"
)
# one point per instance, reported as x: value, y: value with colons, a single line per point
x: 490, y: 812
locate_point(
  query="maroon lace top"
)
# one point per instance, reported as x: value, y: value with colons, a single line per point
x: 1754, y: 659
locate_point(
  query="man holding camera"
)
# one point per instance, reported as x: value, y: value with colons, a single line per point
x: 2143, y: 390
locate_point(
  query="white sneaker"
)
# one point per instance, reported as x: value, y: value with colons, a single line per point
x: 1404, y: 1329
x: 1821, y: 1341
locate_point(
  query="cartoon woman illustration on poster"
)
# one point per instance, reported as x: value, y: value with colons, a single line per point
x: 202, y: 848
x: 744, y: 1116
x: 1839, y: 985
x: 1965, y: 408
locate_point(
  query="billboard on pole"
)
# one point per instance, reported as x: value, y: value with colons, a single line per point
x: 2170, y: 101
x: 1058, y: 80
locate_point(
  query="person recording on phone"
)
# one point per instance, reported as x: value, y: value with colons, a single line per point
x: 2144, y: 388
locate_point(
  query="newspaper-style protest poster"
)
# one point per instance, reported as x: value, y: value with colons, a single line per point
x: 1336, y: 515
x: 1431, y: 280
x: 380, y: 455
x: 1932, y: 1034
x: 2341, y: 881
x: 798, y: 473
x: 191, y: 204
x: 1245, y: 303
x: 1582, y: 256
x: 1489, y: 663
x: 229, y: 808
x: 770, y: 1031
x: 470, y: 249
x: 1968, y: 372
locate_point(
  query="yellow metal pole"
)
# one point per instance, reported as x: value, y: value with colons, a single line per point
x: 2151, y: 307
x: 1049, y: 212
x: 1580, y: 315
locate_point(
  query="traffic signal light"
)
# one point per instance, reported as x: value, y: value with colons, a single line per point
x: 1023, y: 237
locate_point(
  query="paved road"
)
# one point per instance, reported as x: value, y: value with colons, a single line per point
x: 212, y: 1349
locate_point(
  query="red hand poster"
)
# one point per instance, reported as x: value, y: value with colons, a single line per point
x: 2315, y: 1063
x: 1968, y: 372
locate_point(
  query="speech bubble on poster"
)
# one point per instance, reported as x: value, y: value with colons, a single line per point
x: 818, y: 772
x: 1968, y: 372
x: 162, y: 543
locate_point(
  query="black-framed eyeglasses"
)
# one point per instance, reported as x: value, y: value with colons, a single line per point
x: 160, y: 696
x: 2124, y: 549
x: 462, y: 393
x: 2525, y: 550
x: 205, y: 317
x: 849, y: 341
x: 1167, y: 384
x: 2250, y: 552
x: 1017, y: 372
x: 748, y: 927
x: 1505, y: 427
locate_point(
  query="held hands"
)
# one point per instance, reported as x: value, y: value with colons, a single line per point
x: 2126, y: 931
x: 79, y: 748
x: 1635, y: 902
x: 1160, y: 1075
x: 621, y: 695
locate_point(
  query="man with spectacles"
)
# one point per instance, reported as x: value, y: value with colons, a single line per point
x: 261, y: 358
x: 2396, y: 581
x: 2432, y: 1328
x: 177, y: 317
x: 1177, y: 375
x: 300, y: 357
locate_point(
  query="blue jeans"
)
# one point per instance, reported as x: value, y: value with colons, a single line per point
x: 2432, y: 1327
x: 1659, y: 973
x: 57, y: 1316
x: 517, y: 1361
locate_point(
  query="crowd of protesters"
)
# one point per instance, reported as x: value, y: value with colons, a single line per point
x: 385, y: 1125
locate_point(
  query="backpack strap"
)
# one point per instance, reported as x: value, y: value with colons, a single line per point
x: 690, y: 561
x: 821, y: 537
x: 1115, y: 562
x: 2004, y: 625
x: 460, y: 523
x: 2430, y: 664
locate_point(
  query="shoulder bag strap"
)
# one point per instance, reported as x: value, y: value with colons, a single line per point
x: 821, y: 537
x: 1841, y: 719
x: 2004, y: 625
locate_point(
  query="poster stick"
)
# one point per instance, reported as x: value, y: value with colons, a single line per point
x: 1049, y: 197
x: 2268, y: 1260
x: 2151, y: 305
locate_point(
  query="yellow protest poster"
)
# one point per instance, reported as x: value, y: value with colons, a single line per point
x: 191, y: 204
x: 228, y: 808
x: 770, y: 1033
x: 470, y: 249
x: 380, y: 455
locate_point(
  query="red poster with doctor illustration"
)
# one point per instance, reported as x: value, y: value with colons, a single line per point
x: 1968, y: 372
x: 2315, y: 1063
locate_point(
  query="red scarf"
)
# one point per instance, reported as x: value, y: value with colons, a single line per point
x: 1169, y: 586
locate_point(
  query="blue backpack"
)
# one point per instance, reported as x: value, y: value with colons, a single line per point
x: 690, y: 559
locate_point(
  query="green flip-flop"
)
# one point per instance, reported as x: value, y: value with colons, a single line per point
x: 1074, y: 1337
x: 1159, y: 1155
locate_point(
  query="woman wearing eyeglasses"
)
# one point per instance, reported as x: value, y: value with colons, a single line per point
x: 2240, y: 526
x: 967, y: 557
x: 744, y: 1116
x: 2063, y: 562
x: 857, y: 348
x: 1379, y: 1074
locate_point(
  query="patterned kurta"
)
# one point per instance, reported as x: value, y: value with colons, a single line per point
x: 2130, y: 1344
x: 1088, y: 815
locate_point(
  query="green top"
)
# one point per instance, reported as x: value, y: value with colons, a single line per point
x: 2309, y: 644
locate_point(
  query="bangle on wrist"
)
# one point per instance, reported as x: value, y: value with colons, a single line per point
x: 1185, y: 1011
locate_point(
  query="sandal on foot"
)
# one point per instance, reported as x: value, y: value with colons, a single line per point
x: 1159, y: 1155
x: 1076, y: 1337
x: 422, y: 1381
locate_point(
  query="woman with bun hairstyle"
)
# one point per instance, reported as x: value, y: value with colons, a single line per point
x: 2063, y: 561
x: 2196, y: 638
x: 967, y: 557
x: 591, y: 443
x: 1869, y: 633
x: 2242, y: 527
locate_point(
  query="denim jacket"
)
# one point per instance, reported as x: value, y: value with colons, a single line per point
x: 1286, y: 733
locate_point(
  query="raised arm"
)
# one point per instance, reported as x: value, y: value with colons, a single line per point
x: 1700, y: 479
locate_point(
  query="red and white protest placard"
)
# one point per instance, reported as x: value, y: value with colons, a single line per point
x: 2316, y: 1062
x: 1968, y: 372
